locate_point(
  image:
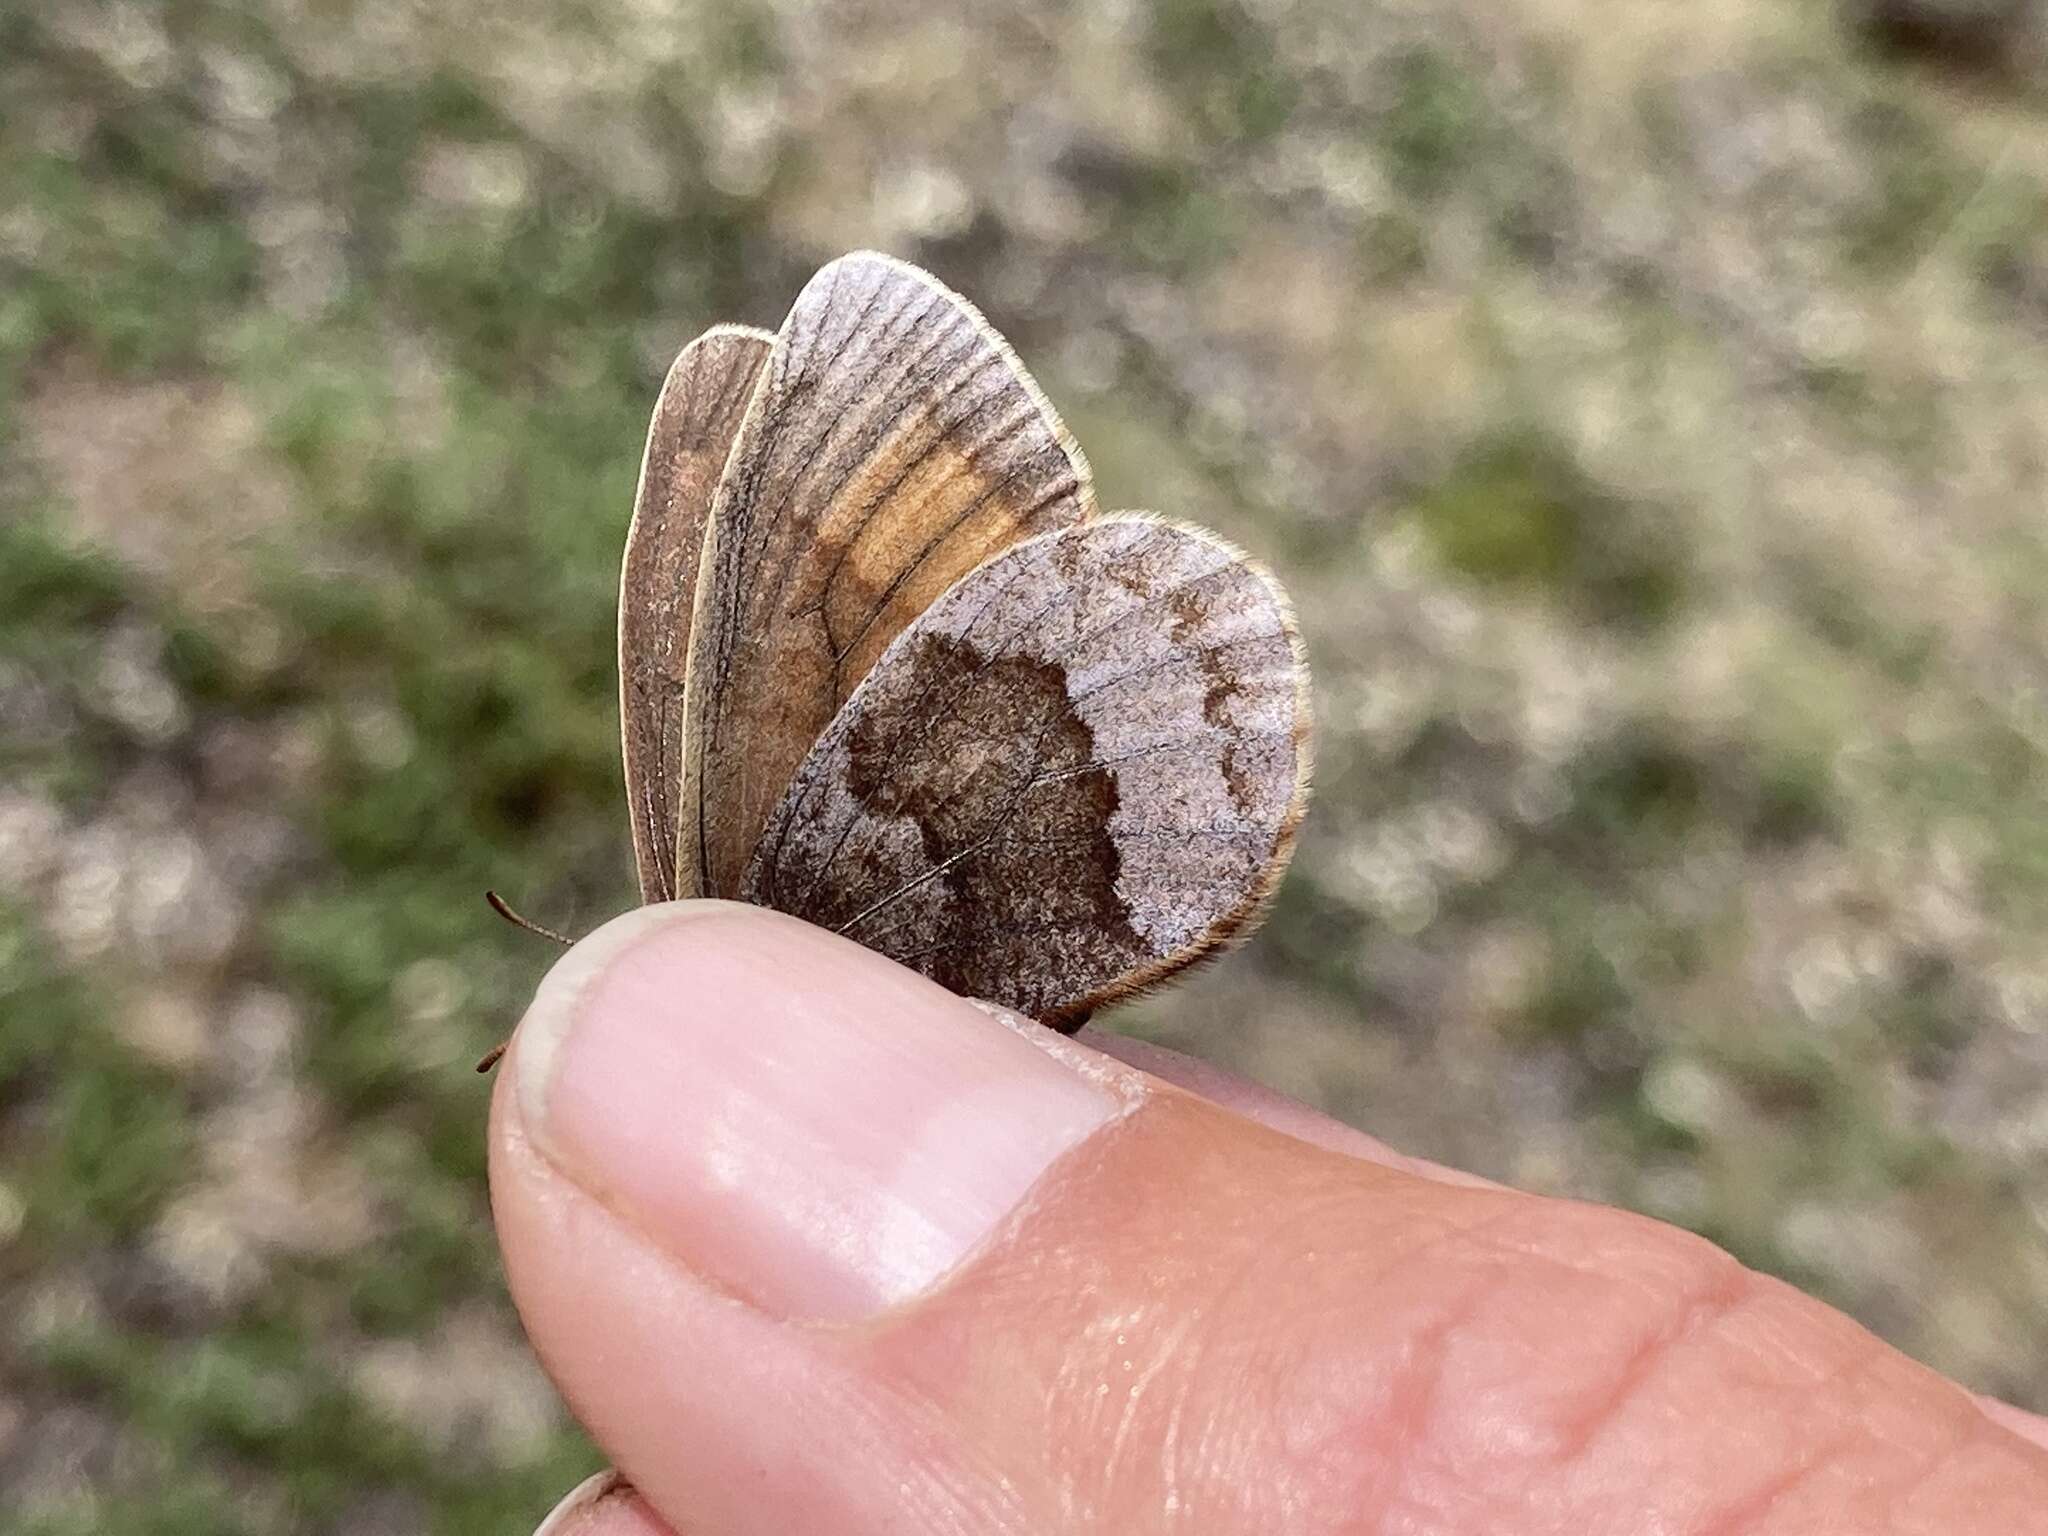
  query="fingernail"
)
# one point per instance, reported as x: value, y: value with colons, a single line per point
x: 815, y: 1129
x: 586, y: 1496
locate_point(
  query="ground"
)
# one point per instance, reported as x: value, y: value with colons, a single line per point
x: 1650, y: 420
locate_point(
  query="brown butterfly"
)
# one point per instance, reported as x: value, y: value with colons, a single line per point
x: 883, y: 666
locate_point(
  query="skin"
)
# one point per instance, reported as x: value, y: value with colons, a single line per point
x: 1359, y: 1341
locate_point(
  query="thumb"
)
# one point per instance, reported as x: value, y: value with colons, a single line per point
x: 811, y: 1244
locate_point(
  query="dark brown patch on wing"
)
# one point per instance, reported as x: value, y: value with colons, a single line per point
x: 894, y: 445
x: 1079, y: 771
x: 696, y: 417
x: 1007, y: 795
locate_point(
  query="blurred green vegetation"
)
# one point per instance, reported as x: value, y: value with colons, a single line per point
x: 1517, y: 510
x: 1648, y: 422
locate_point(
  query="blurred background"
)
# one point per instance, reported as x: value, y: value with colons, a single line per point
x: 1647, y: 404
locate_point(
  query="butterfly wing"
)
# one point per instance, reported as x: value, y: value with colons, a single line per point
x: 1079, y: 771
x: 894, y: 443
x: 696, y: 418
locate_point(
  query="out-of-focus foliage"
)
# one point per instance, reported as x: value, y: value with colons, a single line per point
x: 1651, y: 416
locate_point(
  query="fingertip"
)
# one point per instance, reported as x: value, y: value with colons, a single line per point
x: 603, y: 1505
x: 805, y: 1124
x: 562, y: 991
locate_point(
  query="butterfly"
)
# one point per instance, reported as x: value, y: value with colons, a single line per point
x: 885, y: 667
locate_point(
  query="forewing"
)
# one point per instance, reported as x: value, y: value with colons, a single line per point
x: 696, y: 418
x: 895, y: 443
x: 1079, y: 771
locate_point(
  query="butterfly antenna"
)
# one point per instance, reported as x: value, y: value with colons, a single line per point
x: 504, y: 909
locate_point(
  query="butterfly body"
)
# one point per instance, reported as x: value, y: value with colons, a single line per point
x: 926, y: 696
